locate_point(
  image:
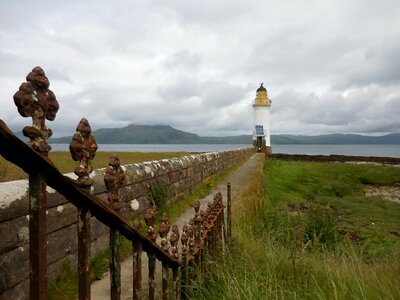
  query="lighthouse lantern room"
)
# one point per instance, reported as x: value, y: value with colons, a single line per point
x: 261, y: 130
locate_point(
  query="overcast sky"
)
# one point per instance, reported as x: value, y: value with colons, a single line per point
x: 328, y: 66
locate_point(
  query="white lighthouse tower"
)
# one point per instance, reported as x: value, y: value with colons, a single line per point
x: 261, y: 131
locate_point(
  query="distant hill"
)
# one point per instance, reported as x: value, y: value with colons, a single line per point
x: 161, y: 134
x: 139, y: 134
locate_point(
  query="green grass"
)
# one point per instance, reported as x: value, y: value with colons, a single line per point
x: 65, y: 286
x: 289, y: 252
x: 64, y: 162
x: 369, y: 221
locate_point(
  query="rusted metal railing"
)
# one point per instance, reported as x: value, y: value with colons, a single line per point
x: 113, y: 179
x: 205, y: 234
x: 229, y: 212
x: 83, y: 148
x: 35, y: 100
x: 15, y: 151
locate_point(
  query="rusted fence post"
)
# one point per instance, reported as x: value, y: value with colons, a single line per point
x: 34, y: 99
x: 174, y: 240
x: 150, y: 217
x: 115, y: 267
x: 113, y: 180
x: 229, y: 212
x: 184, y: 242
x: 37, y: 236
x: 163, y: 232
x: 83, y: 148
x: 137, y: 269
x: 220, y: 221
x: 197, y: 224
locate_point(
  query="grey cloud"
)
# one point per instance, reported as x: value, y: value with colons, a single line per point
x: 180, y: 90
x: 212, y: 94
x: 184, y: 59
x: 358, y: 111
x: 207, y: 12
x: 58, y: 75
x: 380, y: 65
x: 195, y: 65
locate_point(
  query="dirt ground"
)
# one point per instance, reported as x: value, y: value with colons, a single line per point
x: 391, y: 193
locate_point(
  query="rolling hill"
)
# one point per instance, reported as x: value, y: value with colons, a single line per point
x: 162, y: 134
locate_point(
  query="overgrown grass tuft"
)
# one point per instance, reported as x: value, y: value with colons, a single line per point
x: 64, y: 287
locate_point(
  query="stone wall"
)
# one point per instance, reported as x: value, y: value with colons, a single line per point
x: 180, y: 176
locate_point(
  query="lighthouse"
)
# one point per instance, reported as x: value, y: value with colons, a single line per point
x: 261, y: 130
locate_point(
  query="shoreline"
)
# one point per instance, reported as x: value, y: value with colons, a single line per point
x: 393, y: 161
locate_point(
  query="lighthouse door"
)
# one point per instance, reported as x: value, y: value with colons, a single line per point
x: 259, y: 141
x: 259, y: 144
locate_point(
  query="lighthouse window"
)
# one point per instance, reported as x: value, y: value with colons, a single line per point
x: 259, y: 130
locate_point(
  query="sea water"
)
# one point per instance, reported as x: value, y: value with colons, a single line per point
x: 358, y: 150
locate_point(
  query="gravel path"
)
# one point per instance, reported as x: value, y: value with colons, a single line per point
x: 101, y: 289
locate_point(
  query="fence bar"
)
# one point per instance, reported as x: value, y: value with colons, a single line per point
x: 34, y: 99
x: 175, y: 280
x: 174, y: 241
x: 37, y: 237
x: 152, y: 271
x: 184, y: 242
x: 113, y: 180
x: 183, y: 280
x: 164, y: 281
x: 229, y: 213
x: 115, y: 267
x: 224, y: 233
x: 190, y: 276
x: 83, y: 148
x: 83, y: 253
x: 137, y: 269
x: 219, y: 230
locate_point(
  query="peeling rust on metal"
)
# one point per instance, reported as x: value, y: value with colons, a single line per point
x: 206, y: 233
x: 83, y: 148
x: 34, y: 99
x: 113, y: 179
x: 137, y: 269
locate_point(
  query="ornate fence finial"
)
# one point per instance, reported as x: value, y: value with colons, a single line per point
x: 163, y: 232
x: 204, y: 219
x: 191, y: 234
x: 150, y: 219
x: 197, y: 223
x: 210, y: 212
x: 174, y: 239
x: 184, y: 240
x: 34, y: 99
x: 83, y: 148
x: 196, y: 207
x: 113, y: 179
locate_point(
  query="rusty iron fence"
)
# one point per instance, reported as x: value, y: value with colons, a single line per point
x: 182, y: 255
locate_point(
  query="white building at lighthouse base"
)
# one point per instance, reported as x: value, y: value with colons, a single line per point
x: 261, y: 128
